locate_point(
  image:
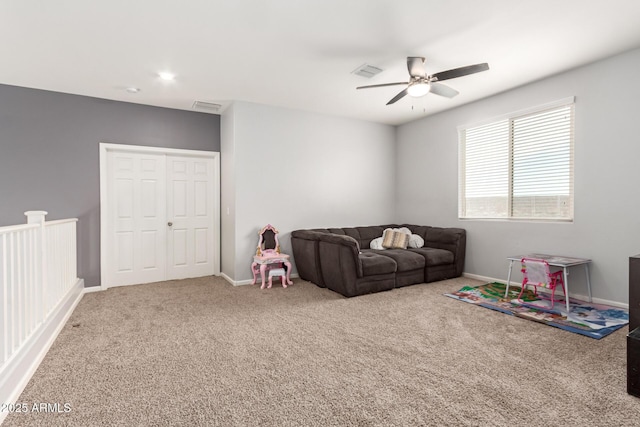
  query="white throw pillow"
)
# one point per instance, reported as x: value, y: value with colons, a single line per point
x: 376, y: 244
x: 416, y: 241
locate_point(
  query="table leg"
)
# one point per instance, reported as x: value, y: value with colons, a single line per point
x: 263, y: 267
x: 253, y: 270
x: 508, y: 279
x: 288, y: 265
x: 566, y: 286
x: 586, y: 272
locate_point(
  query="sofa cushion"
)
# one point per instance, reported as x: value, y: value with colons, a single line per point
x: 434, y: 256
x: 374, y: 264
x: 364, y: 235
x: 420, y: 230
x: 405, y: 259
x: 444, y: 238
x: 337, y: 231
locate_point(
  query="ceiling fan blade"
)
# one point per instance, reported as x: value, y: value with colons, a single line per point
x: 398, y: 96
x: 415, y: 64
x: 383, y: 85
x: 459, y: 72
x: 443, y: 90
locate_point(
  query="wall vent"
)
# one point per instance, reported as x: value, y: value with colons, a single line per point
x: 366, y: 70
x: 209, y: 107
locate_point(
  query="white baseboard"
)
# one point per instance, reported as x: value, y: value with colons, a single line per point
x: 246, y: 282
x: 483, y: 278
x: 21, y: 367
x: 571, y: 294
x: 93, y: 289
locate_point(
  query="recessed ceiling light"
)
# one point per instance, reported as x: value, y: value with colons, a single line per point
x: 167, y: 76
x: 132, y: 89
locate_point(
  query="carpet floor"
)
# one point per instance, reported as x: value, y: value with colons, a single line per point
x: 201, y: 352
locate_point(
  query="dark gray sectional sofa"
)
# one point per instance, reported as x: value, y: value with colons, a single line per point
x: 340, y: 258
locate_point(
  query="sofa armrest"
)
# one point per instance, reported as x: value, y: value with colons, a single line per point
x: 451, y: 239
x: 347, y: 247
x: 306, y: 253
x: 340, y: 264
x: 308, y: 234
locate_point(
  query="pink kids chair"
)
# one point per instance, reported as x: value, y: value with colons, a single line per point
x: 275, y: 272
x: 536, y: 273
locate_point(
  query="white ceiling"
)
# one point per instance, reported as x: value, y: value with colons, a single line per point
x: 300, y: 53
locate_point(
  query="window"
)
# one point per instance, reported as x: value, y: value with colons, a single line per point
x: 520, y: 166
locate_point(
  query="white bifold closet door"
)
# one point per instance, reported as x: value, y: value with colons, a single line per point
x: 190, y: 214
x: 160, y: 221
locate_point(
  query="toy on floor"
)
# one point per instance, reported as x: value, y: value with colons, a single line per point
x: 536, y: 273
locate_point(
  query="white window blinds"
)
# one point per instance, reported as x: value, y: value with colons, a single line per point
x: 519, y: 167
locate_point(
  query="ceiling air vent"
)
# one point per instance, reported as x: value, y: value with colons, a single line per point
x: 209, y: 107
x: 367, y: 71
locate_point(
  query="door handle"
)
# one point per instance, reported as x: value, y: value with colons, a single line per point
x: 169, y: 223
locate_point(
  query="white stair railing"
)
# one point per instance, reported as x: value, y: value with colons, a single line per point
x: 19, y: 263
x: 37, y: 270
x: 60, y: 256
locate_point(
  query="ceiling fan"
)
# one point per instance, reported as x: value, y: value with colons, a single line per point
x: 420, y: 83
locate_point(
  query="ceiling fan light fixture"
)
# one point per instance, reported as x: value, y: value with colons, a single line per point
x: 420, y: 83
x: 419, y: 89
x: 167, y: 76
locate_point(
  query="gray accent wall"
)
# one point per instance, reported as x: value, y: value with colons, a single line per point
x: 49, y: 157
x: 606, y: 227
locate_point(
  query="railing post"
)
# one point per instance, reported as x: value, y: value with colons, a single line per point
x: 38, y: 217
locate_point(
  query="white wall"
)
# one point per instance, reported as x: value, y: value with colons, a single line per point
x: 227, y: 193
x: 296, y: 170
x: 607, y: 199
